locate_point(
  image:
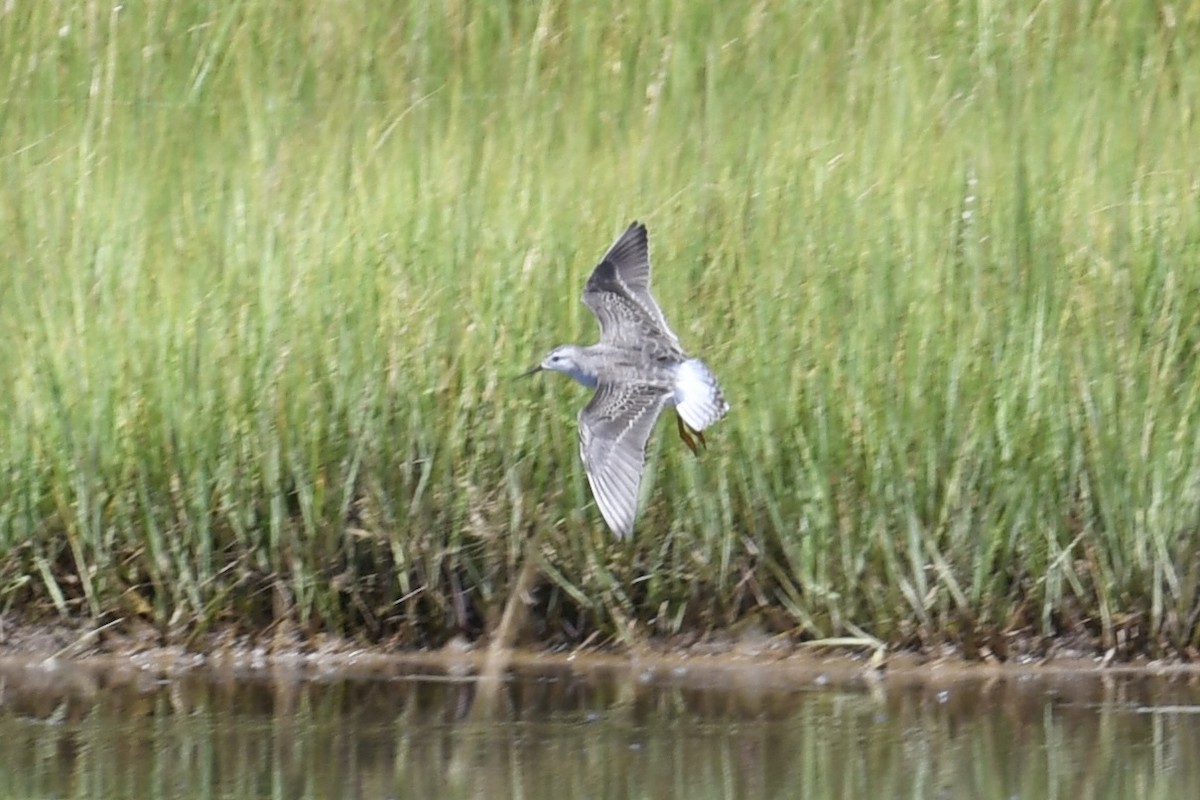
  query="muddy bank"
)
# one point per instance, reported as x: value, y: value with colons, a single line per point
x: 135, y: 651
x: 246, y: 721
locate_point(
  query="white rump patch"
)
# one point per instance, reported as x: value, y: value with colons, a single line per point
x: 698, y: 398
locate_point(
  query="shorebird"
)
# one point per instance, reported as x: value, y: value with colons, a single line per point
x: 637, y: 369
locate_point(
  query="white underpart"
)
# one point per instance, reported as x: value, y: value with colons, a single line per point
x: 698, y: 398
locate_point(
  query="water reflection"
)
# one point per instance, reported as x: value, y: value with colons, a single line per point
x: 613, y: 732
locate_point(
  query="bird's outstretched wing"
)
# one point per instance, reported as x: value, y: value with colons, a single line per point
x: 613, y: 429
x: 618, y: 293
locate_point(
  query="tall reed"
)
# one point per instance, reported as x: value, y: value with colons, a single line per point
x: 271, y: 266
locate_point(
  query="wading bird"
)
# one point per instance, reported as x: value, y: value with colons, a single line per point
x: 637, y: 369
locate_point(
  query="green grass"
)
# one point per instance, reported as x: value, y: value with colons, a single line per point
x: 271, y: 266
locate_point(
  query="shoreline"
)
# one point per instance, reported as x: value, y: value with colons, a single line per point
x: 114, y: 649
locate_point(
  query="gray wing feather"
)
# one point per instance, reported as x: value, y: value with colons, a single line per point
x: 613, y: 430
x: 618, y: 293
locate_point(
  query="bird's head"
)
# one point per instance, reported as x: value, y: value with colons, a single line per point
x: 569, y: 360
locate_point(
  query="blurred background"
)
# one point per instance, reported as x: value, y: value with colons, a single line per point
x: 269, y: 268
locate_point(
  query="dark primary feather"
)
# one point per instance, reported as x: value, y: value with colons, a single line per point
x: 618, y: 293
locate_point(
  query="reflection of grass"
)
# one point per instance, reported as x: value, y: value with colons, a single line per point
x: 269, y: 271
x: 715, y: 729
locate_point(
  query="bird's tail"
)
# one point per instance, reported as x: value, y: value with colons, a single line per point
x: 698, y: 397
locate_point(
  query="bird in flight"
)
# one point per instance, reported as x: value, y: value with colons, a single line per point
x: 637, y: 369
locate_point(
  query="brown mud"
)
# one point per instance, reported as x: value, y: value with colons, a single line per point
x: 123, y: 652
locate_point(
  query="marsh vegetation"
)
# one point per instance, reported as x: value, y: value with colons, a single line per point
x: 269, y: 268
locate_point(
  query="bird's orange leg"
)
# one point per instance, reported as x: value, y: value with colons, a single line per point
x: 686, y: 433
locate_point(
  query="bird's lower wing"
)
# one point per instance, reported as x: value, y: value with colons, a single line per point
x: 613, y: 430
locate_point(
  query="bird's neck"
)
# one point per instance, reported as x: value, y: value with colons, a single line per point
x: 578, y: 373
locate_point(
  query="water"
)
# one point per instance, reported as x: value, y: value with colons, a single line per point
x: 580, y: 730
